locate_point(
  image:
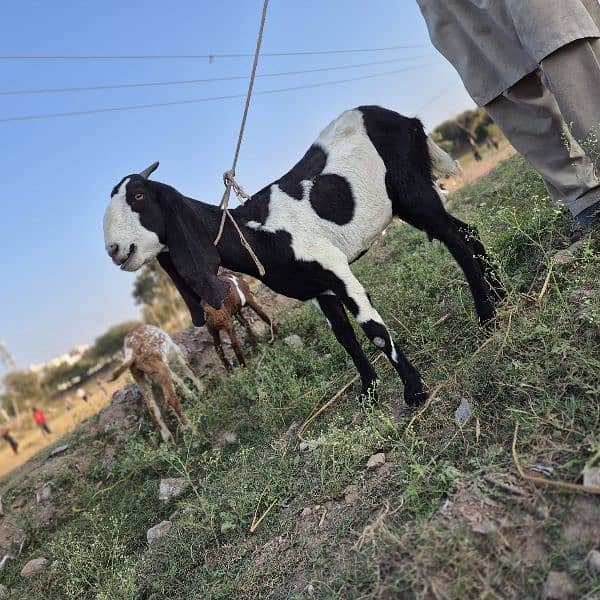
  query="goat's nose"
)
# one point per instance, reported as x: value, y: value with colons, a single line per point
x: 113, y: 250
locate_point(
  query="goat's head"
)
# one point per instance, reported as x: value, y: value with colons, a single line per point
x: 145, y: 218
x: 133, y: 222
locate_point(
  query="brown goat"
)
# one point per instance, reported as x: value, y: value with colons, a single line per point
x: 221, y: 318
x: 154, y: 359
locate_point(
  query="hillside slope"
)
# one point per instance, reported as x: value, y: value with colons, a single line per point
x: 445, y: 516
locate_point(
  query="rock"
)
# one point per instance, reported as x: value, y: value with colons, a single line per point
x: 568, y: 255
x: 376, y: 461
x: 121, y: 413
x: 591, y: 477
x: 485, y: 528
x: 226, y: 438
x: 33, y: 567
x: 42, y: 494
x: 303, y: 446
x: 306, y: 512
x: 4, y: 591
x: 351, y: 494
x: 558, y: 586
x: 291, y: 430
x: 58, y: 450
x: 293, y: 341
x: 10, y: 536
x: 158, y: 531
x: 592, y: 562
x: 463, y: 412
x: 171, y: 487
x: 1, y: 507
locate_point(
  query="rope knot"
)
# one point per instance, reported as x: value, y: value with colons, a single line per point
x: 231, y: 183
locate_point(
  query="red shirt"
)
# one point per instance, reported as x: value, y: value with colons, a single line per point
x: 39, y: 416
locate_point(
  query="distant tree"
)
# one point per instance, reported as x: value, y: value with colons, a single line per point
x: 161, y: 303
x: 110, y: 342
x: 454, y: 135
x: 24, y: 389
x: 64, y: 372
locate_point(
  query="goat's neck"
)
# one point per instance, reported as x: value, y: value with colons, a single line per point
x: 233, y: 254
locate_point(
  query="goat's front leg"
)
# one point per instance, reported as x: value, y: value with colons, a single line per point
x: 151, y: 405
x: 335, y: 313
x: 359, y: 304
x: 216, y: 336
x: 235, y: 343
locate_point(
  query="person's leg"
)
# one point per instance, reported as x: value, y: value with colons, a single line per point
x: 572, y: 74
x: 531, y: 119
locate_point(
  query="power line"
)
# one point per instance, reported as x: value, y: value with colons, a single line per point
x: 117, y: 86
x: 200, y: 56
x: 207, y: 99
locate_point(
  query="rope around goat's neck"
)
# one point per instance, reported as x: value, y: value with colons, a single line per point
x: 229, y: 176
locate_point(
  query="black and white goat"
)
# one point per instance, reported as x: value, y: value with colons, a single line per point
x: 367, y: 166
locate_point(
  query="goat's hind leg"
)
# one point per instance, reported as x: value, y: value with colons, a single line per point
x: 164, y: 376
x: 447, y: 231
x: 246, y: 325
x: 152, y: 405
x: 471, y: 236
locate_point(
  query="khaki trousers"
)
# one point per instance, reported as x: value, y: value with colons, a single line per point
x: 552, y: 117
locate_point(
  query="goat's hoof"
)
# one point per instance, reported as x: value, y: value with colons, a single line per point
x: 488, y: 322
x: 415, y: 393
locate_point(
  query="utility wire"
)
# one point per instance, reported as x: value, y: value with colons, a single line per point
x: 209, y: 57
x: 207, y: 99
x: 118, y: 86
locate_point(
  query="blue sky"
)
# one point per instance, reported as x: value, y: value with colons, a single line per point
x: 58, y: 288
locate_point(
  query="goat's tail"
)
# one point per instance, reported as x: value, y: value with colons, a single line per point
x: 442, y: 163
x: 121, y: 369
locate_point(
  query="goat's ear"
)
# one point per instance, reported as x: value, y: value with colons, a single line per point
x: 192, y: 301
x: 193, y: 253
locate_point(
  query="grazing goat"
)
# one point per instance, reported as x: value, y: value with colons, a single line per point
x: 367, y: 166
x: 218, y: 319
x: 154, y: 359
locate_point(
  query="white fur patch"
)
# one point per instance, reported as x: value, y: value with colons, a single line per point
x: 379, y: 342
x: 237, y: 289
x: 122, y: 227
x: 351, y: 155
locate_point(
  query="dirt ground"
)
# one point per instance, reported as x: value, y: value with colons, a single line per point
x: 62, y: 421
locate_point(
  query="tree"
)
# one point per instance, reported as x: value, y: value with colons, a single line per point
x: 110, y: 342
x: 161, y: 302
x: 23, y: 388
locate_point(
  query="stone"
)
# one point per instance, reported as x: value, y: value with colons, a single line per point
x: 351, y: 494
x: 558, y: 586
x: 158, y: 531
x: 568, y: 255
x: 463, y: 412
x: 226, y: 438
x: 293, y: 341
x: 4, y: 591
x: 591, y: 477
x: 303, y: 446
x: 42, y: 494
x: 33, y: 567
x: 376, y: 461
x: 58, y: 450
x: 171, y: 487
x: 592, y: 562
x: 306, y: 512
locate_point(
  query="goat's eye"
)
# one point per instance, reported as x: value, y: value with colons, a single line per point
x: 139, y: 196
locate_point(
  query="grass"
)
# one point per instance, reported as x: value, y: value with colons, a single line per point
x: 401, y: 537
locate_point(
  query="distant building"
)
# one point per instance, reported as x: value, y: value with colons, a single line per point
x: 70, y: 358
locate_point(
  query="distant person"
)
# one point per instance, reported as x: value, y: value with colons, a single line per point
x: 101, y: 385
x: 474, y: 149
x: 81, y: 393
x: 40, y: 418
x: 534, y: 65
x: 8, y: 438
